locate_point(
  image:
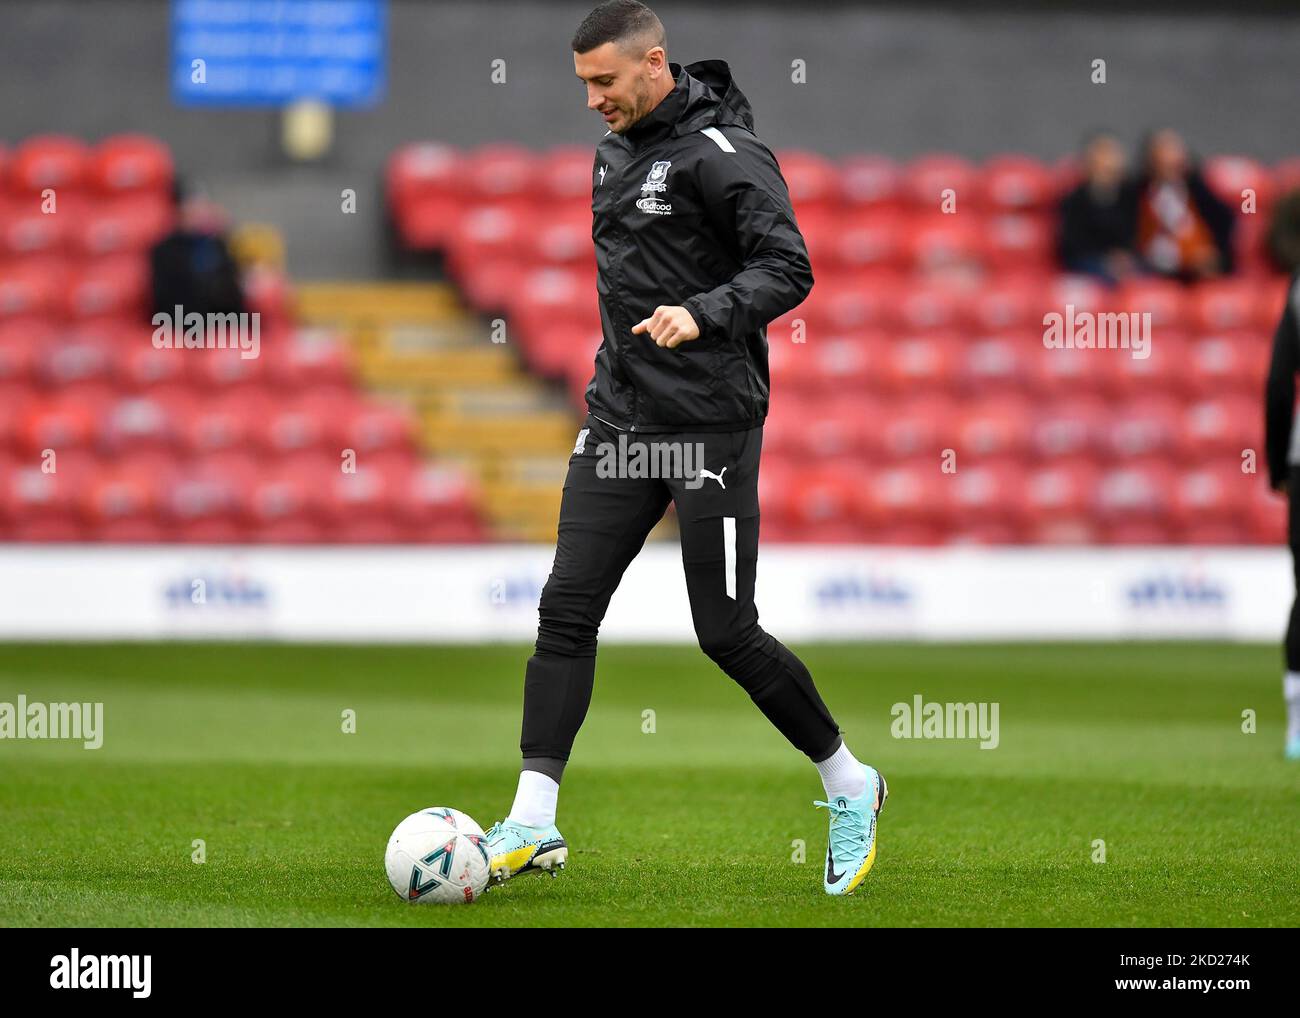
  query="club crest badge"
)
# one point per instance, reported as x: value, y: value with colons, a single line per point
x: 656, y: 179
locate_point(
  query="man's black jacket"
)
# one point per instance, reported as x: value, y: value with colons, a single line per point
x: 689, y: 208
x: 1280, y: 440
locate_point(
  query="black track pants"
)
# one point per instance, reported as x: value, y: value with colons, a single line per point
x: 603, y: 524
x: 1292, y: 647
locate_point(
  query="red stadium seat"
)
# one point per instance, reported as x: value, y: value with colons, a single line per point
x: 58, y: 426
x: 1140, y: 492
x: 112, y: 287
x: 129, y: 225
x: 988, y: 494
x: 1083, y: 293
x: 490, y: 285
x: 424, y: 170
x: 1224, y: 426
x: 371, y: 428
x: 1223, y: 305
x: 563, y: 240
x: 503, y: 173
x: 937, y: 242
x: 1228, y: 176
x: 138, y: 422
x: 920, y: 363
x: 913, y: 493
x: 49, y: 161
x: 131, y: 163
x: 1226, y: 364
x: 426, y: 223
x: 1017, y: 240
x: 813, y: 182
x: 21, y: 346
x: 1165, y: 301
x: 839, y: 430
x: 137, y: 365
x: 823, y: 505
x: 311, y: 359
x: 266, y: 293
x: 1146, y: 427
x: 568, y: 177
x: 26, y: 231
x: 1004, y: 304
x: 216, y: 423
x: 1070, y: 427
x: 996, y: 363
x: 41, y: 505
x: 118, y: 504
x: 431, y: 492
x: 837, y: 363
x: 561, y: 292
x: 1216, y: 493
x: 863, y: 300
x: 1055, y: 373
x: 930, y: 177
x: 870, y: 182
x: 1061, y: 491
x: 1016, y: 183
x: 872, y: 239
x: 1163, y: 369
x: 931, y: 306
x: 32, y: 289
x: 492, y: 230
x: 200, y: 506
x: 993, y: 427
x: 918, y: 426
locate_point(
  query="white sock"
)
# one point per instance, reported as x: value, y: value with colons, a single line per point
x: 535, y: 800
x: 842, y: 775
x: 1291, y: 693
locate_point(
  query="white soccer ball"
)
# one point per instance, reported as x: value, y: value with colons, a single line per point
x: 437, y: 856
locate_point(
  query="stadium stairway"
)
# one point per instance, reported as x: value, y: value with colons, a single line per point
x: 476, y: 406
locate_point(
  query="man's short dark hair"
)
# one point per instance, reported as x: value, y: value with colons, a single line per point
x: 633, y: 26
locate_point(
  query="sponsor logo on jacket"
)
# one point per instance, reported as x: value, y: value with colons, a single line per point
x: 658, y: 208
x: 656, y: 182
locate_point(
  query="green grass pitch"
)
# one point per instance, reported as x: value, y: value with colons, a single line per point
x: 698, y: 823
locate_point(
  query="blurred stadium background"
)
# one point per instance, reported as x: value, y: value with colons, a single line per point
x: 421, y: 260
x: 418, y: 250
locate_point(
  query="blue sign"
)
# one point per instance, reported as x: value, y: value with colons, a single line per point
x: 272, y: 52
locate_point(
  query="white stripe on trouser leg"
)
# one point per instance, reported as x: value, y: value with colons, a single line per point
x: 729, y: 550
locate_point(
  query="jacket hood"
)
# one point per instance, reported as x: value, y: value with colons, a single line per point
x: 712, y: 97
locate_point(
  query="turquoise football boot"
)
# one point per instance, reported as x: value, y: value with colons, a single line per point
x: 514, y: 849
x: 851, y: 851
x: 1293, y: 748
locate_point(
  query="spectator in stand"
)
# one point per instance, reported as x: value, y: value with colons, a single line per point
x: 1183, y: 231
x: 192, y: 266
x: 1096, y: 229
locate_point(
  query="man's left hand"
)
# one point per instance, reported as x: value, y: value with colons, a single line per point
x: 669, y: 326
